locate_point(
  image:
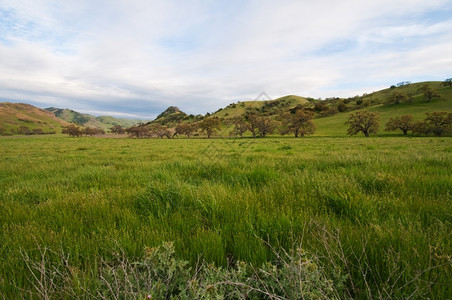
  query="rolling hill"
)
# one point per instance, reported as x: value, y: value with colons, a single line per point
x: 268, y: 107
x: 334, y: 125
x: 17, y: 118
x: 102, y: 122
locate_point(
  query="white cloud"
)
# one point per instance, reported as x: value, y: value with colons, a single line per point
x: 108, y: 55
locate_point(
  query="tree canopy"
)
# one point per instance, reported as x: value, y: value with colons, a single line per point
x: 210, y: 126
x: 363, y: 121
x: 403, y: 123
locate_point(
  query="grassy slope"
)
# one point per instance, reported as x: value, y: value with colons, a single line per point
x: 14, y: 115
x: 384, y: 202
x: 102, y: 122
x: 334, y: 125
x: 110, y: 121
x: 240, y: 108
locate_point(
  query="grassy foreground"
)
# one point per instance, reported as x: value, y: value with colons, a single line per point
x: 376, y: 211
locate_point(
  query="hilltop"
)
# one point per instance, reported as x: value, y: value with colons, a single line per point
x: 266, y: 107
x: 21, y: 118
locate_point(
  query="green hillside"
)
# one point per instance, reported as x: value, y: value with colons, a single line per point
x: 20, y: 118
x: 102, y: 122
x: 110, y: 121
x: 334, y: 125
x: 268, y: 107
x: 331, y: 113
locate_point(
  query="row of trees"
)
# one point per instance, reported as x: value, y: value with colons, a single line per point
x: 27, y: 131
x: 298, y: 122
x: 75, y: 131
x: 436, y: 123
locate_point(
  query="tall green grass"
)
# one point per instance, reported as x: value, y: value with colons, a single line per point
x: 378, y: 209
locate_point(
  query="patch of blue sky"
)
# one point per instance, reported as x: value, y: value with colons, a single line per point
x: 211, y: 17
x: 346, y: 86
x: 182, y: 43
x: 405, y: 32
x: 335, y: 47
x: 434, y: 16
x: 12, y: 28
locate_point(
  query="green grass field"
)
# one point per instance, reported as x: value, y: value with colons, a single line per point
x: 376, y: 210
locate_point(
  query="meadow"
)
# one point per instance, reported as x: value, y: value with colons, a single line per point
x: 376, y: 212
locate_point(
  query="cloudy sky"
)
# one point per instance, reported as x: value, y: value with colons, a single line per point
x: 134, y: 58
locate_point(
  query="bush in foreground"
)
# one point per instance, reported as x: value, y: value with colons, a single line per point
x: 159, y: 274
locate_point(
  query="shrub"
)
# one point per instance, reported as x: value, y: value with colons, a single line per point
x: 160, y: 274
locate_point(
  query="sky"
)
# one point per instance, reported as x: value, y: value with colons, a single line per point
x: 134, y: 58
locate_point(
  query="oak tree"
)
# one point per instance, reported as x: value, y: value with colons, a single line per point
x: 299, y: 123
x: 447, y: 82
x: 437, y: 123
x: 160, y: 131
x: 186, y: 129
x: 428, y: 92
x: 363, y: 121
x: 398, y: 97
x: 117, y: 129
x: 72, y: 130
x: 403, y: 123
x: 210, y: 126
x: 265, y: 125
x: 240, y: 126
x: 253, y: 120
x: 139, y: 131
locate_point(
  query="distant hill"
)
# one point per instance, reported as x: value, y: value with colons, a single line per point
x: 169, y: 111
x: 20, y: 118
x: 173, y: 115
x: 102, y: 122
